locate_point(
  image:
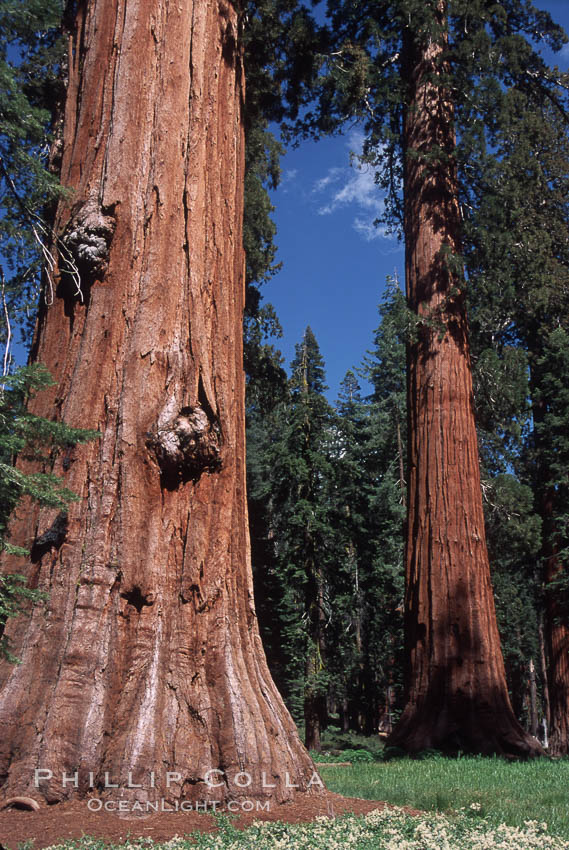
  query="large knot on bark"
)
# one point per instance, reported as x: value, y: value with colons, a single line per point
x: 186, y: 445
x: 86, y: 241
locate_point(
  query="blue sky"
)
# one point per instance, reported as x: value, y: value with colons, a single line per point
x: 335, y: 262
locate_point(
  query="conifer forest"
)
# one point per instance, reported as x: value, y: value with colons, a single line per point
x: 205, y: 560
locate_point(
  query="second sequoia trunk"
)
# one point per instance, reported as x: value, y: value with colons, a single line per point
x: 457, y: 697
x: 145, y: 666
x: 557, y: 637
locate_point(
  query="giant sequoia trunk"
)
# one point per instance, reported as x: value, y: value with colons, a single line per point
x: 557, y: 637
x: 555, y: 634
x: 556, y: 628
x: 146, y: 656
x: 456, y: 690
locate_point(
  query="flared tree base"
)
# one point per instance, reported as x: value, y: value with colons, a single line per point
x: 465, y: 725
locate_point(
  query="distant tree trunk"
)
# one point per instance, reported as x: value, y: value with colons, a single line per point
x: 556, y: 640
x: 312, y: 707
x: 534, y: 720
x: 345, y: 715
x: 315, y: 709
x: 147, y: 655
x: 546, y: 702
x: 402, y: 482
x: 360, y: 704
x: 456, y: 690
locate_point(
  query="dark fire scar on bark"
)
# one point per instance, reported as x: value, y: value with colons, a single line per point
x: 186, y: 445
x: 137, y: 599
x: 88, y: 237
x: 52, y: 538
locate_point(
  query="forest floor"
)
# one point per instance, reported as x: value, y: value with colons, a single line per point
x: 73, y: 820
x: 463, y: 803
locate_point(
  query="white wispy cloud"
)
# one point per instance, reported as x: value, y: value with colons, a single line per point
x: 333, y: 176
x: 370, y: 231
x: 352, y: 186
x: 358, y: 187
x: 288, y: 180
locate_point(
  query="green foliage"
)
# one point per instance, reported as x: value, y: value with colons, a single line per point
x: 14, y: 596
x: 360, y: 460
x: 354, y: 756
x: 32, y: 439
x: 326, y: 505
x: 551, y: 396
x: 335, y: 742
x: 301, y: 462
x: 32, y: 56
x: 514, y: 540
x: 262, y: 171
x: 549, y: 457
x: 289, y: 464
x: 371, y: 491
x: 282, y: 46
x: 518, y: 251
x: 518, y: 266
x: 265, y: 376
x: 501, y: 387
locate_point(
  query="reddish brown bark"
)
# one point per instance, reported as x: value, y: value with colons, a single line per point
x: 558, y: 675
x: 556, y: 637
x: 147, y: 656
x: 456, y: 690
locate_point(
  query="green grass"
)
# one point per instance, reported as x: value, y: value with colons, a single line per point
x: 491, y: 788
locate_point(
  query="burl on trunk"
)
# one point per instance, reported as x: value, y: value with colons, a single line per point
x: 147, y: 656
x: 457, y: 698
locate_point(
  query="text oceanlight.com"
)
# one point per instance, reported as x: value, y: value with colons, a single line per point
x: 162, y: 805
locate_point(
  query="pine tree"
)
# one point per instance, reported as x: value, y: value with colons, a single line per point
x: 514, y: 537
x: 513, y: 528
x: 520, y: 266
x: 369, y: 482
x: 297, y: 471
x: 385, y: 369
x: 350, y: 492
